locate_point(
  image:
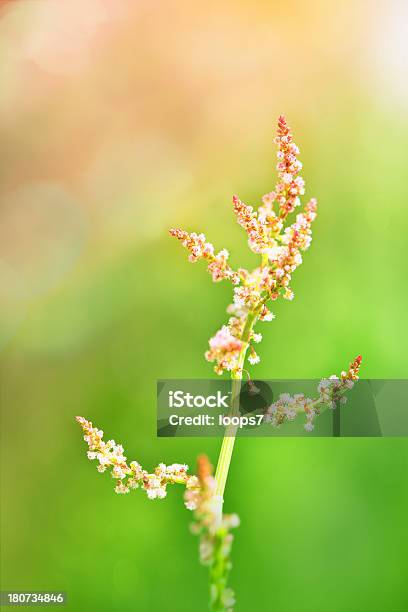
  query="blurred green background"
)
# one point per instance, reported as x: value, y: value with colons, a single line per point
x: 120, y: 119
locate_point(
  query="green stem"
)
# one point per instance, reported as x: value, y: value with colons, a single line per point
x: 227, y: 446
x: 220, y: 566
x: 219, y: 571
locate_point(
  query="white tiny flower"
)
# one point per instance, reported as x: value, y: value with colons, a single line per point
x: 176, y: 468
x: 104, y: 459
x: 285, y: 397
x: 253, y: 359
x: 121, y: 488
x: 272, y: 409
x: 309, y: 426
x: 234, y: 520
x: 132, y: 483
x: 154, y: 482
x: 117, y: 472
x: 308, y: 403
x: 192, y: 482
x: 190, y: 505
x: 324, y: 384
x: 228, y: 598
x: 120, y: 458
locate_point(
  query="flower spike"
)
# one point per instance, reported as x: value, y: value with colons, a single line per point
x: 331, y: 393
x: 280, y: 248
x: 132, y: 476
x: 200, y: 249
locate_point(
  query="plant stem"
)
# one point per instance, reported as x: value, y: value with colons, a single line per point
x: 227, y: 445
x: 219, y: 571
x: 220, y: 566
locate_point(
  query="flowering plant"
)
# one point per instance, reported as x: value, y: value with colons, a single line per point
x: 280, y: 245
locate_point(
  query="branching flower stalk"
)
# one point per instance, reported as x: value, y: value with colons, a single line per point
x: 279, y: 247
x: 279, y: 244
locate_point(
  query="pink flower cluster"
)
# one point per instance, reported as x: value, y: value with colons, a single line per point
x: 331, y: 392
x: 280, y: 248
x: 224, y: 350
x: 200, y: 249
x: 284, y: 259
x: 257, y: 231
x: 290, y: 185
